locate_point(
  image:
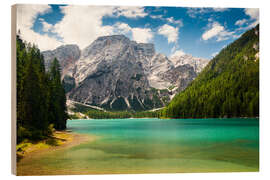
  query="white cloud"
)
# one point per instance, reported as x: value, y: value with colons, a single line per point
x: 46, y: 26
x: 241, y: 22
x: 169, y: 20
x: 194, y: 12
x: 214, y: 54
x: 156, y: 16
x: 81, y: 25
x: 26, y: 15
x: 142, y: 35
x: 220, y: 9
x: 178, y: 53
x: 170, y: 32
x: 218, y: 31
x: 130, y: 11
x: 121, y: 28
x: 253, y: 13
x: 214, y: 31
x: 173, y: 21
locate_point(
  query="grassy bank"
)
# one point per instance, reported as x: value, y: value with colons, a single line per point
x: 58, y: 140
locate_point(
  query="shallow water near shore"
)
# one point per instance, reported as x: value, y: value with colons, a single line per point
x: 155, y: 146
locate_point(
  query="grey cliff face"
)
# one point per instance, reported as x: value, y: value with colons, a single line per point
x: 67, y: 55
x: 180, y: 76
x: 197, y: 63
x: 111, y: 73
x: 116, y: 73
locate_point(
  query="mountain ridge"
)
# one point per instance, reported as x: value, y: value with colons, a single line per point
x: 227, y: 87
x: 116, y: 73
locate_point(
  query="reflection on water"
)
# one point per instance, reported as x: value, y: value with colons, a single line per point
x: 154, y: 145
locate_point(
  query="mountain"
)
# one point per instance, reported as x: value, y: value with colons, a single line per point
x: 197, y: 63
x: 116, y: 73
x: 227, y: 87
x: 109, y: 74
x: 67, y: 55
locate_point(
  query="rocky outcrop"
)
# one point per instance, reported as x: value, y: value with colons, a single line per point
x: 116, y: 73
x: 111, y: 73
x: 179, y: 77
x: 197, y: 63
x: 67, y: 55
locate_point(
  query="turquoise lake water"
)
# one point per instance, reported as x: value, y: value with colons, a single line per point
x: 158, y: 146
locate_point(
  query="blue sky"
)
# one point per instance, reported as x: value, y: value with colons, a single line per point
x: 201, y: 32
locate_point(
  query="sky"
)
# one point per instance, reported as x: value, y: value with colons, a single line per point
x: 201, y: 32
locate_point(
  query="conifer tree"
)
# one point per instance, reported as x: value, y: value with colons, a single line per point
x: 227, y: 87
x: 41, y: 97
x: 57, y: 97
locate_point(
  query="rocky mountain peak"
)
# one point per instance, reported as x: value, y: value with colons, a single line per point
x: 197, y: 63
x: 67, y: 55
x: 116, y: 73
x: 62, y: 53
x: 106, y: 43
x: 114, y: 37
x: 146, y: 49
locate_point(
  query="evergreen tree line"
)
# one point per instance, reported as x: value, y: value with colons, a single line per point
x: 227, y: 87
x: 98, y: 114
x: 41, y: 100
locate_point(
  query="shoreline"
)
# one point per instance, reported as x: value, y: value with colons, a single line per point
x: 59, y: 140
x: 168, y: 118
x: 137, y: 158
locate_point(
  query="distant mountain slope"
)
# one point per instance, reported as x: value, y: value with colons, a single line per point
x: 116, y: 73
x: 197, y: 63
x: 111, y: 74
x: 67, y: 55
x: 227, y: 87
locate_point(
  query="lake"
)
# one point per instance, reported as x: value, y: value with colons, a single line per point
x: 158, y: 146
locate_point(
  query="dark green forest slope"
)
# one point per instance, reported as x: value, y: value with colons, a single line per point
x: 41, y: 100
x: 227, y: 87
